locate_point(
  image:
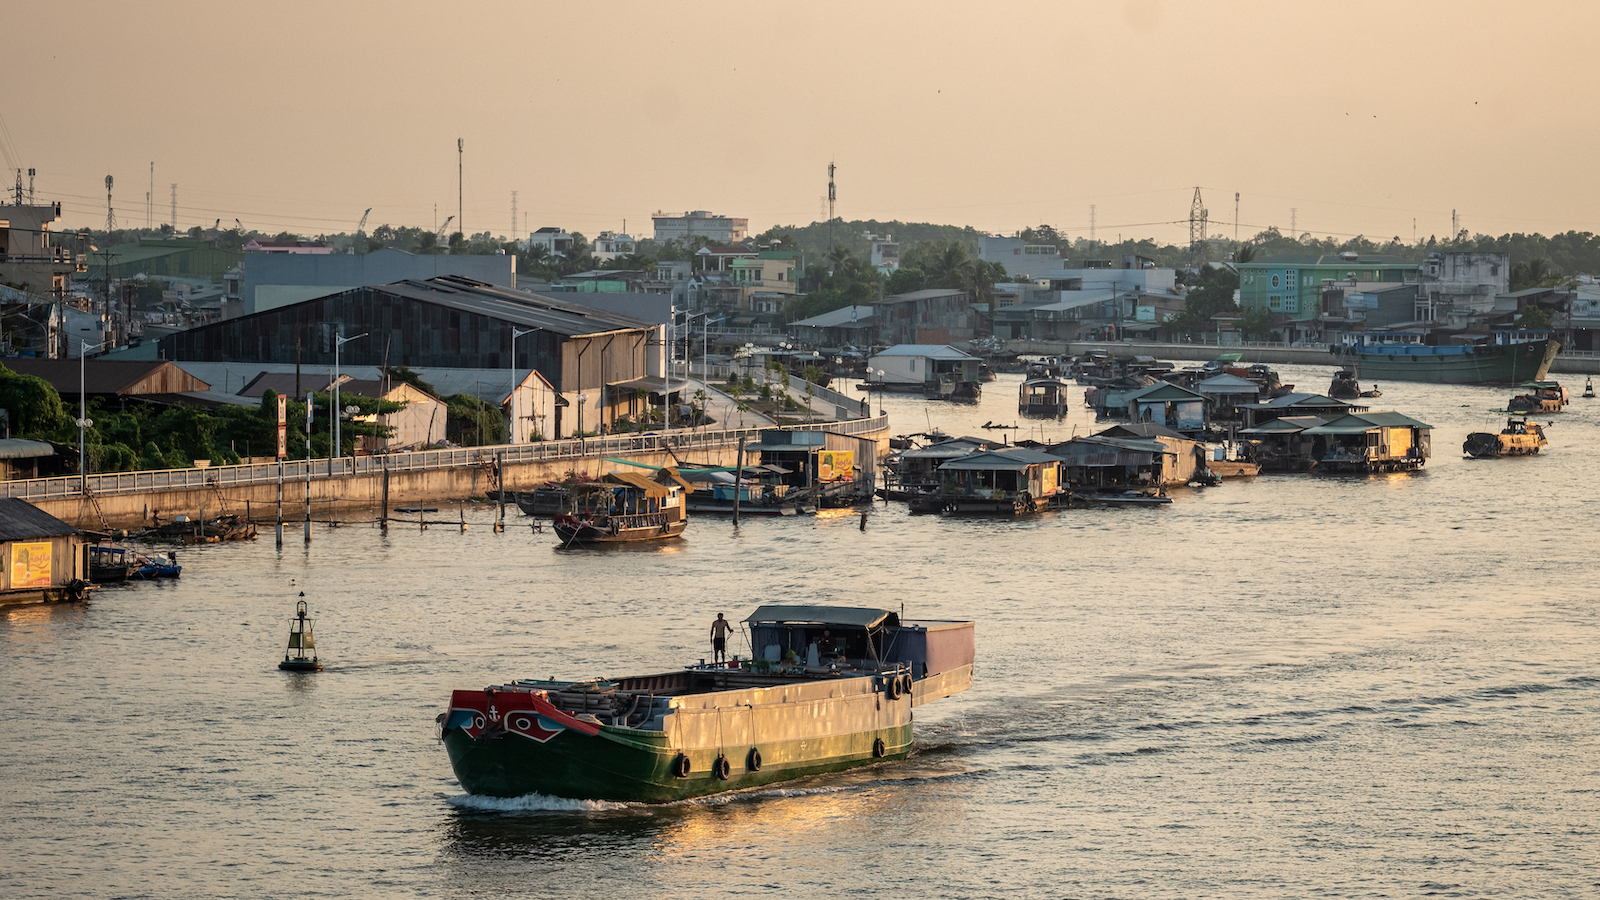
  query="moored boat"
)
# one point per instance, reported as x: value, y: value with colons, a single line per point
x: 831, y: 688
x: 1539, y: 397
x: 1506, y: 357
x: 1519, y: 438
x: 1043, y: 398
x: 623, y: 507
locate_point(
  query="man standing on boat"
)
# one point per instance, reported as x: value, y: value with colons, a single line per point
x: 719, y: 639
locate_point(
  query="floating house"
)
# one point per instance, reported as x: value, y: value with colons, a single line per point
x: 1186, y: 456
x: 1172, y: 405
x: 1102, y: 463
x: 1224, y: 393
x: 1296, y: 404
x: 1370, y: 442
x: 937, y: 370
x: 836, y: 469
x: 1043, y: 398
x: 42, y: 559
x: 1279, y: 445
x: 1011, y: 480
x: 917, y: 470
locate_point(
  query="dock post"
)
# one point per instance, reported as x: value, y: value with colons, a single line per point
x: 280, y: 502
x: 310, y: 407
x: 463, y: 510
x: 383, y: 514
x: 500, y: 512
x: 738, y: 473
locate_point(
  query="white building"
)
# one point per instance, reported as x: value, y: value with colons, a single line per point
x: 699, y: 223
x: 885, y: 252
x: 612, y: 244
x: 1020, y: 258
x: 554, y: 241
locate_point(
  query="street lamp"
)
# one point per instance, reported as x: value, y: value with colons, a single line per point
x: 881, y: 373
x: 84, y: 422
x: 511, y: 432
x: 338, y: 446
x: 583, y: 400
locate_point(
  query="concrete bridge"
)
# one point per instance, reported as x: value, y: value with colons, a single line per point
x: 130, y: 499
x: 1566, y: 362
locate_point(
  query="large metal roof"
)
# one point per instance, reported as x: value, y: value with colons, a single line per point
x: 533, y: 310
x: 1015, y: 459
x: 1361, y: 423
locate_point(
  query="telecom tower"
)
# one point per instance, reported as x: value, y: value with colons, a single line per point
x: 111, y: 215
x: 174, y: 207
x: 1091, y: 223
x: 513, y: 215
x: 831, y: 197
x: 461, y: 221
x: 1197, y: 222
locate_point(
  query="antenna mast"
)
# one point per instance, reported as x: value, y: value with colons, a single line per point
x: 174, y: 207
x: 832, y: 196
x: 30, y: 186
x: 150, y: 199
x: 1091, y: 223
x: 461, y: 220
x: 514, y: 215
x: 111, y: 215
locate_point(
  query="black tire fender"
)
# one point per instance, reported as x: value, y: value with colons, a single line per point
x: 722, y: 768
x: 878, y: 749
x: 680, y: 766
x: 753, y: 761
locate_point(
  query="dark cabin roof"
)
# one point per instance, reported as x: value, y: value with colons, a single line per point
x: 108, y: 377
x: 22, y: 521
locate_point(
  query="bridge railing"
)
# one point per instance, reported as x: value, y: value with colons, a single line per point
x: 420, y: 460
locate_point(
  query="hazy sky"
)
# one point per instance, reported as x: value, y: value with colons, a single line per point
x: 1361, y: 116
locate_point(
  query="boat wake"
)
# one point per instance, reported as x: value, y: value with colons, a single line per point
x: 531, y: 803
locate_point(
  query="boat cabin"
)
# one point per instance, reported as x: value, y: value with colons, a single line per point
x: 862, y: 638
x: 1043, y: 398
x: 631, y: 499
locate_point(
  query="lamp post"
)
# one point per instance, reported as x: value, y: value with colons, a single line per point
x: 881, y: 373
x: 338, y: 436
x: 511, y: 430
x: 583, y: 400
x: 83, y: 414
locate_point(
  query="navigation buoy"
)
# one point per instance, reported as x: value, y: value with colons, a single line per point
x: 301, y: 642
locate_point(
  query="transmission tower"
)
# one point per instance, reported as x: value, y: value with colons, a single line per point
x: 111, y: 215
x: 174, y: 207
x: 19, y: 187
x: 1091, y: 223
x: 513, y: 215
x: 1292, y: 224
x: 1197, y: 222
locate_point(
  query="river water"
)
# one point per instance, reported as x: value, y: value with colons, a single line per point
x: 1282, y: 687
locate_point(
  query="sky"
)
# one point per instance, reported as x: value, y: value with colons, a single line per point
x: 1373, y: 118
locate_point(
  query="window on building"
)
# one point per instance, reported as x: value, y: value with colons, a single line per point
x: 1275, y: 301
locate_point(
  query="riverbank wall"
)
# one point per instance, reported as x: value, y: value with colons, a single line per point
x: 1251, y: 352
x: 330, y: 488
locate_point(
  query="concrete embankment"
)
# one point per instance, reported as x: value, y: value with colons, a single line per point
x: 1252, y: 353
x: 134, y: 499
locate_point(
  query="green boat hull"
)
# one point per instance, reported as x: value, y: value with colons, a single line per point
x: 628, y: 765
x: 1510, y: 364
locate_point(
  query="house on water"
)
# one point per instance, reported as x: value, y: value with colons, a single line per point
x: 1370, y: 442
x: 837, y: 469
x: 1280, y: 445
x: 1296, y: 404
x: 939, y: 371
x: 42, y: 559
x: 917, y: 470
x: 1184, y: 455
x: 1224, y: 393
x: 1009, y: 480
x: 1172, y: 405
x: 1102, y: 463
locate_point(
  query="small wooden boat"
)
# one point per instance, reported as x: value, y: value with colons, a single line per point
x: 1519, y: 438
x: 1540, y: 397
x: 1233, y: 468
x: 1043, y: 398
x: 301, y: 643
x: 549, y: 500
x: 109, y: 563
x: 1121, y: 498
x: 623, y: 507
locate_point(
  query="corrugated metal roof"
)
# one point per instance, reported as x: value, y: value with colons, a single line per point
x: 955, y: 447
x: 1163, y: 390
x: 1285, y: 425
x: 104, y: 376
x: 1138, y: 430
x: 22, y: 521
x: 1015, y: 459
x: 1361, y: 423
x: 931, y: 351
x: 1228, y: 384
x: 1095, y: 452
x: 534, y: 310
x: 20, y: 448
x: 852, y: 616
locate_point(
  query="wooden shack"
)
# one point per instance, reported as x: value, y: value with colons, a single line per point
x: 1370, y: 442
x: 1015, y: 479
x: 42, y: 558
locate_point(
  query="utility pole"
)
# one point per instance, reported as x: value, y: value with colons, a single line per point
x: 1236, y: 217
x: 150, y: 199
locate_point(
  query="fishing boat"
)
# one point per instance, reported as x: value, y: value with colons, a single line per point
x: 112, y: 563
x: 1519, y: 438
x: 1505, y: 357
x: 551, y: 499
x: 1539, y: 397
x: 1120, y: 498
x: 1344, y: 385
x: 830, y: 688
x: 623, y: 507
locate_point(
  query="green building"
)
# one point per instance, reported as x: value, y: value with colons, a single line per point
x: 1291, y: 287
